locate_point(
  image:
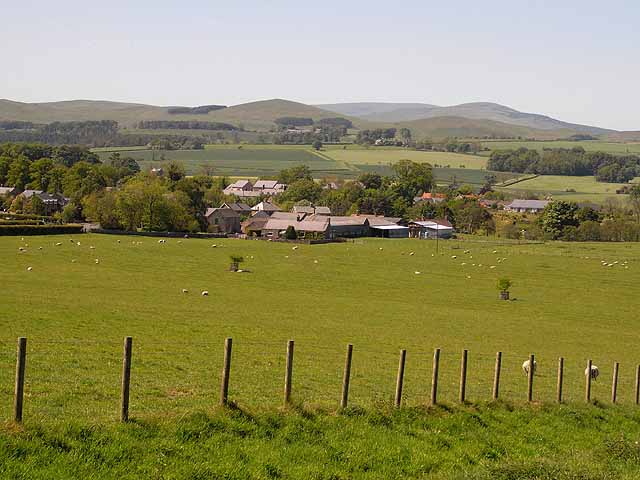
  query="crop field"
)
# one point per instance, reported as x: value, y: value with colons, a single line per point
x: 588, y: 145
x: 386, y: 156
x: 75, y: 313
x: 587, y: 189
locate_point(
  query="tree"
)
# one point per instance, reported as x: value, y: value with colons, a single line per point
x: 634, y: 199
x: 370, y: 180
x: 304, y: 189
x: 290, y: 233
x: 558, y: 215
x: 291, y: 175
x: 503, y: 285
x: 405, y: 135
x: 39, y: 172
x: 37, y: 206
x: 317, y: 145
x: 70, y: 213
x: 411, y: 178
x: 18, y: 174
x: 175, y: 171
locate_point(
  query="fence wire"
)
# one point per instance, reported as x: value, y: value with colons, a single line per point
x: 82, y: 379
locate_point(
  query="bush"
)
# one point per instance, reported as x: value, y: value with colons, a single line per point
x: 291, y: 233
x: 504, y: 284
x: 39, y: 229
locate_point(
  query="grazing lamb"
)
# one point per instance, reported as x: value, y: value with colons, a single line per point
x: 205, y: 293
x: 595, y: 371
x: 525, y: 367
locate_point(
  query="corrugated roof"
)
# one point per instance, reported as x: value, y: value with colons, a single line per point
x: 530, y: 204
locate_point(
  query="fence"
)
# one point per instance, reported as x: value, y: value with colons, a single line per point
x: 309, y: 371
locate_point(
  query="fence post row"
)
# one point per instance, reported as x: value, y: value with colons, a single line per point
x: 344, y: 400
x: 587, y: 386
x: 463, y: 375
x: 126, y: 379
x: 18, y: 393
x: 434, y: 376
x: 560, y: 379
x: 614, y: 383
x: 226, y: 368
x: 496, y: 376
x: 530, y: 374
x: 400, y: 378
x: 288, y: 374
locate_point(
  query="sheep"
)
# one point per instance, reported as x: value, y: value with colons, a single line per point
x: 525, y: 367
x: 29, y: 269
x: 417, y: 273
x: 411, y: 254
x: 58, y: 244
x: 184, y: 290
x: 454, y: 256
x: 595, y: 371
x: 97, y: 261
x: 294, y: 248
x: 205, y: 293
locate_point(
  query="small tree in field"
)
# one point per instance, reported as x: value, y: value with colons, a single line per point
x: 291, y: 233
x: 504, y: 284
x: 236, y: 260
x: 317, y: 145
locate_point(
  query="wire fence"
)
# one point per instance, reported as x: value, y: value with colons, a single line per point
x: 84, y: 379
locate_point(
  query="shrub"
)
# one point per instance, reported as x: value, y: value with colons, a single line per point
x: 291, y: 233
x: 504, y: 284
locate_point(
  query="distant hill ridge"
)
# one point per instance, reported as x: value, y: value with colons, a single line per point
x: 404, y: 112
x: 479, y: 119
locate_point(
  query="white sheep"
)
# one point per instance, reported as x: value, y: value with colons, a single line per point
x: 205, y: 293
x: 595, y: 371
x: 525, y: 367
x: 29, y: 269
x: 184, y: 290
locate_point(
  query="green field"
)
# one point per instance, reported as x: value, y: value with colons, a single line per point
x: 75, y: 315
x: 386, y: 156
x: 588, y: 145
x: 587, y: 189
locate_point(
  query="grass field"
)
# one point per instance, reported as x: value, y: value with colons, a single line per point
x: 386, y: 156
x: 75, y: 313
x: 588, y: 145
x: 587, y: 189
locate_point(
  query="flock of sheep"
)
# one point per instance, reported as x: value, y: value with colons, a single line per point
x: 595, y: 371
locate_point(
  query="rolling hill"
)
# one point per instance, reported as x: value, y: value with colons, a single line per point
x: 255, y: 115
x: 401, y: 112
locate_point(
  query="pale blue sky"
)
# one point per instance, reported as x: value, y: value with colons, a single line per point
x: 574, y: 60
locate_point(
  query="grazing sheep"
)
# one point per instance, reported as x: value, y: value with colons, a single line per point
x: 454, y: 256
x: 39, y: 248
x: 184, y: 290
x: 595, y: 371
x: 205, y: 293
x: 58, y: 244
x: 294, y: 248
x: 417, y: 273
x: 29, y: 269
x: 97, y: 261
x: 92, y: 248
x: 525, y: 367
x: 411, y: 254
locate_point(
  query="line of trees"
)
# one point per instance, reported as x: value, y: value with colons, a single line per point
x: 201, y: 110
x: 184, y: 125
x: 574, y: 162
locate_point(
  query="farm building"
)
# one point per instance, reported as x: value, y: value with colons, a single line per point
x: 8, y: 191
x: 223, y: 220
x: 429, y: 197
x: 430, y: 229
x: 313, y: 228
x: 390, y: 231
x: 246, y: 189
x: 311, y: 210
x: 527, y: 206
x: 347, y: 227
x: 239, y: 207
x: 265, y: 206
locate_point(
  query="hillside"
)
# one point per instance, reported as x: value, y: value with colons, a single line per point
x: 255, y: 115
x: 400, y: 112
x: 442, y: 127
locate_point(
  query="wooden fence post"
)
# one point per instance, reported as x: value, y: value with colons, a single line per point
x: 288, y: 374
x: 637, y: 392
x: 587, y: 386
x: 496, y: 376
x: 344, y: 400
x: 126, y: 379
x: 614, y: 383
x: 226, y: 368
x: 400, y: 378
x: 463, y: 376
x: 560, y: 379
x: 21, y: 363
x: 434, y: 376
x: 531, y: 373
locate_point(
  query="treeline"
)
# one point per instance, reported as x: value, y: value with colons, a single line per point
x: 369, y: 137
x: 17, y: 125
x: 293, y: 122
x: 573, y: 162
x: 201, y: 110
x: 94, y: 133
x: 184, y: 125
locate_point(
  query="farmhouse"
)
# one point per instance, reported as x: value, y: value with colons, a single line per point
x: 430, y: 229
x: 527, y: 206
x: 8, y: 191
x: 312, y: 228
x: 244, y: 188
x: 429, y: 197
x: 53, y: 202
x: 240, y: 208
x: 223, y: 220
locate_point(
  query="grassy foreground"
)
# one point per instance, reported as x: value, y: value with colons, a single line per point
x: 490, y: 441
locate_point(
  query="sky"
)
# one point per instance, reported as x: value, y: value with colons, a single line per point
x: 573, y: 60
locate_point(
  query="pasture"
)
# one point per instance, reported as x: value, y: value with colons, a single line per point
x: 589, y: 145
x: 587, y: 189
x: 75, y: 313
x: 387, y: 156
